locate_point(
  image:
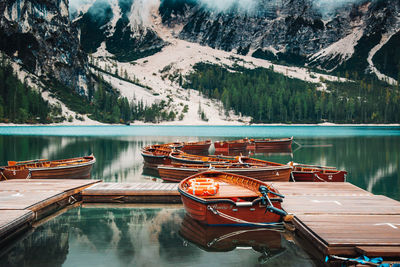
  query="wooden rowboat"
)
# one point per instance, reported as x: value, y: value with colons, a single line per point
x: 197, y: 146
x: 240, y: 144
x: 262, y: 172
x: 155, y: 155
x: 269, y: 143
x: 239, y: 201
x: 313, y: 173
x: 55, y: 169
x: 182, y: 157
x: 225, y: 238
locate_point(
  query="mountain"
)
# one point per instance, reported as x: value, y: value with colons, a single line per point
x: 331, y: 37
x: 301, y: 32
x: 121, y: 25
x: 144, y: 59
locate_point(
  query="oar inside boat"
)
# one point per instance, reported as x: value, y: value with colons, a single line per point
x: 13, y: 163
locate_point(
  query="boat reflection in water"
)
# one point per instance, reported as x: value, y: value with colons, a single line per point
x: 272, y: 152
x: 232, y: 153
x: 266, y: 241
x: 150, y: 172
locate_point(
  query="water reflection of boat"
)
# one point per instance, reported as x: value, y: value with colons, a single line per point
x: 314, y: 173
x: 232, y: 152
x: 273, y: 151
x: 230, y: 199
x: 269, y: 143
x: 72, y: 168
x: 224, y: 238
x: 240, y: 144
x: 150, y: 172
x: 196, y: 146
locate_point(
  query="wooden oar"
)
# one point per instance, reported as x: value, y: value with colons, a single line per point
x: 13, y: 163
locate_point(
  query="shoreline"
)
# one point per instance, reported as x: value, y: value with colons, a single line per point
x: 200, y: 124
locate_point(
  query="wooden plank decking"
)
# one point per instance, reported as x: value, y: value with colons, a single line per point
x: 132, y: 193
x: 24, y: 201
x: 342, y: 219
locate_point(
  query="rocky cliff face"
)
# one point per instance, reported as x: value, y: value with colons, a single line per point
x: 123, y: 27
x: 38, y: 34
x: 334, y: 36
x: 293, y: 31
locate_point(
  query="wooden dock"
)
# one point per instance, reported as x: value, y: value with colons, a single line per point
x: 342, y: 219
x: 330, y: 218
x: 22, y: 202
x: 163, y: 193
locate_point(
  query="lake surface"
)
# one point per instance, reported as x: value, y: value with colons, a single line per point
x: 149, y: 236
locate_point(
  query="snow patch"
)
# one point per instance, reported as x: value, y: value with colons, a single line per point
x: 385, y: 38
x: 344, y: 48
x: 64, y: 8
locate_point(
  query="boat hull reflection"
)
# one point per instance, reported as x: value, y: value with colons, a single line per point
x: 267, y: 241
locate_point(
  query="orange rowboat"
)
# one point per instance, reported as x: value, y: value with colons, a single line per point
x: 240, y: 144
x: 312, y: 173
x: 262, y: 172
x: 182, y: 157
x: 196, y: 146
x: 156, y: 155
x: 268, y: 143
x: 234, y: 200
x: 56, y: 169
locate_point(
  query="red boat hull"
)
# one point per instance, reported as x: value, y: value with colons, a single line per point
x: 304, y: 176
x: 203, y: 214
x: 64, y: 171
x: 231, y: 145
x: 278, y: 174
x: 196, y: 146
x: 270, y: 144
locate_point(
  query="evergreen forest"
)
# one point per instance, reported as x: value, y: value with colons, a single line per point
x: 19, y: 103
x: 270, y: 97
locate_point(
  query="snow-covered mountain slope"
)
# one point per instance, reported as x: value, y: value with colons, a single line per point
x: 331, y: 36
x: 160, y: 73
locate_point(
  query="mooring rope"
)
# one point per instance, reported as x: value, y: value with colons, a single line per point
x: 323, y: 180
x: 217, y: 239
x: 226, y: 216
x: 2, y: 174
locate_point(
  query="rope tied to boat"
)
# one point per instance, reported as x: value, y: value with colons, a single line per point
x: 278, y: 228
x: 360, y: 260
x: 72, y: 200
x: 319, y: 178
x: 2, y: 174
x: 237, y: 220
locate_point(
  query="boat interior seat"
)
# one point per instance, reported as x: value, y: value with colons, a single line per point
x: 244, y: 204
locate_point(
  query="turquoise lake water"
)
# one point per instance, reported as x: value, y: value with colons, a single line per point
x: 220, y: 131
x: 149, y: 236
